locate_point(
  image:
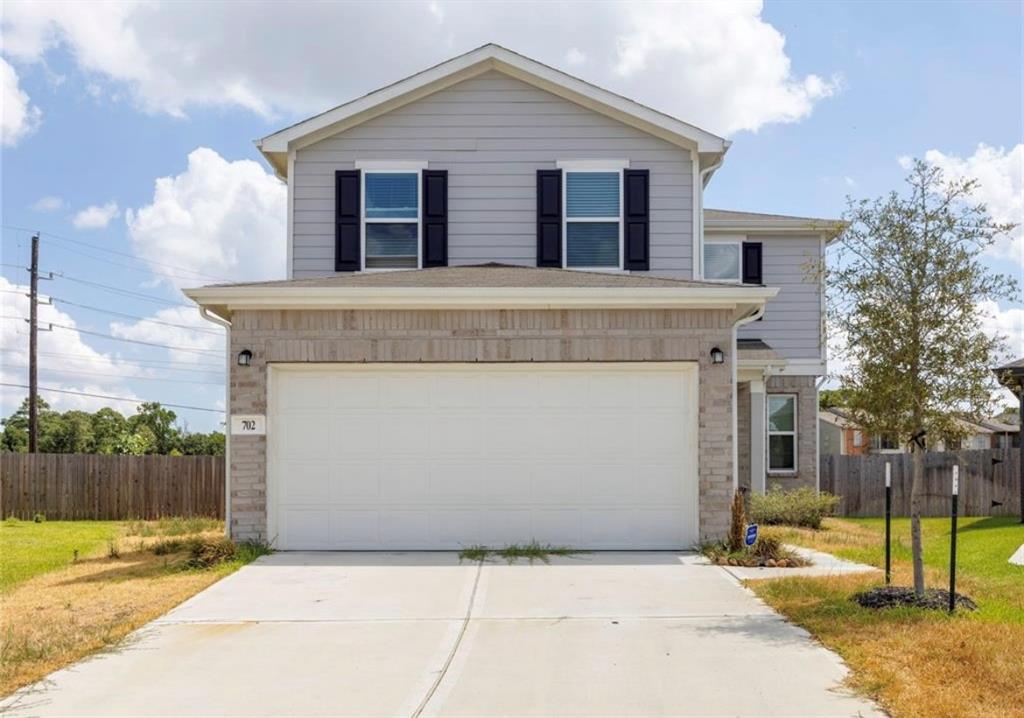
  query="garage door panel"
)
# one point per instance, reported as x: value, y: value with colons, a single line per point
x: 556, y: 482
x: 359, y: 391
x: 558, y: 527
x: 354, y: 528
x: 445, y: 456
x: 456, y: 483
x: 404, y: 482
x: 457, y: 528
x: 509, y: 390
x: 404, y: 529
x: 305, y: 392
x: 315, y: 486
x: 405, y: 391
x: 458, y: 390
x: 403, y: 434
x: 454, y: 433
x: 352, y: 435
x: 354, y: 481
x: 302, y: 435
x: 304, y: 527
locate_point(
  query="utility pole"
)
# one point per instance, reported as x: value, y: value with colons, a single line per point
x: 33, y: 314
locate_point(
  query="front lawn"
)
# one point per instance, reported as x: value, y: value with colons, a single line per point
x: 28, y: 549
x: 56, y: 609
x: 917, y: 662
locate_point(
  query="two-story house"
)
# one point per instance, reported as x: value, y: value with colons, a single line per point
x: 508, y: 316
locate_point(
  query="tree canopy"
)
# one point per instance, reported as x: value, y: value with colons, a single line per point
x: 152, y: 430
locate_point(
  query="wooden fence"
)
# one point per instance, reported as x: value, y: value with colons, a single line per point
x: 986, y: 477
x: 100, y: 487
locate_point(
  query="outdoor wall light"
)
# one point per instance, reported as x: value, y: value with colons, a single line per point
x: 244, y: 357
x: 717, y: 356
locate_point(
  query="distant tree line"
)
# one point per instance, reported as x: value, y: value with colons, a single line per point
x: 152, y: 430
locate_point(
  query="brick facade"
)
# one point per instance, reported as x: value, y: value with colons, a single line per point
x: 482, y: 336
x: 806, y: 431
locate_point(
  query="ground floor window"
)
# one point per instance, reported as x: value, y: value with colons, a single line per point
x: 782, y: 432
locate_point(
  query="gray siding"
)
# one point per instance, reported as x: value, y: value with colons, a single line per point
x: 492, y: 133
x: 792, y: 322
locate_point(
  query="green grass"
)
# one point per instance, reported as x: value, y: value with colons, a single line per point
x: 28, y: 549
x: 984, y: 545
x: 532, y: 551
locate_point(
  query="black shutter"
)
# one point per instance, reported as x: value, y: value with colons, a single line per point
x: 346, y: 220
x: 549, y: 218
x: 435, y: 218
x: 752, y: 263
x: 637, y: 219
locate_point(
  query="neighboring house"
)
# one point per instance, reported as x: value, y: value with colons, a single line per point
x: 840, y: 434
x: 509, y: 317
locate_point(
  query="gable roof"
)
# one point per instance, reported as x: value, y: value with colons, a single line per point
x: 275, y: 147
x: 725, y: 220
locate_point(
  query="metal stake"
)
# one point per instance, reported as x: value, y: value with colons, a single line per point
x: 888, y: 523
x: 952, y: 541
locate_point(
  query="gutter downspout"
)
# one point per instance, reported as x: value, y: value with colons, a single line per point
x: 205, y: 314
x: 705, y: 177
x: 757, y: 314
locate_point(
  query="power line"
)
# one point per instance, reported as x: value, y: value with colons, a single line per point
x: 194, y: 350
x: 135, y: 316
x: 122, y: 291
x: 61, y: 238
x: 164, y: 364
x: 112, y: 398
x: 135, y: 268
x: 78, y: 372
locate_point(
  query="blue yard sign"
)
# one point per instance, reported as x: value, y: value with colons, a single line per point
x: 751, y: 537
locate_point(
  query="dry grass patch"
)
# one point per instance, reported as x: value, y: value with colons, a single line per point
x: 918, y: 662
x: 55, y: 619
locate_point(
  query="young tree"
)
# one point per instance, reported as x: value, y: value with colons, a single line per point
x: 904, y: 291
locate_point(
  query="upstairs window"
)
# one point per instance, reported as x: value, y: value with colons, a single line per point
x: 391, y: 219
x: 593, y: 219
x: 723, y: 261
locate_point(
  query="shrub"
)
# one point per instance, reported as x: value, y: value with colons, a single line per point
x: 738, y: 523
x: 206, y: 551
x: 39, y: 518
x: 766, y: 551
x: 800, y: 507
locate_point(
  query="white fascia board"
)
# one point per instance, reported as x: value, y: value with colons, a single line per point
x: 488, y: 57
x: 780, y: 226
x: 227, y: 299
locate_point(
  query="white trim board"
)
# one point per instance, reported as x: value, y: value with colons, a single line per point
x: 223, y: 300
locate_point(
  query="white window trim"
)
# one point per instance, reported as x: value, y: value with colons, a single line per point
x: 738, y: 241
x: 769, y: 433
x: 582, y: 166
x: 390, y: 167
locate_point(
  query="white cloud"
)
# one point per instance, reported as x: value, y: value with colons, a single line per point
x: 226, y: 219
x: 62, y: 352
x: 1007, y: 323
x: 717, y: 65
x: 1000, y: 175
x: 96, y: 216
x: 18, y: 116
x: 49, y: 203
x: 199, y: 337
x: 575, y: 56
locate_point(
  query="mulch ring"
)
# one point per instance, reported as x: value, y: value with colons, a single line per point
x: 894, y: 596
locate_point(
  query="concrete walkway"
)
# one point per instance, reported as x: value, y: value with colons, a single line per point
x: 418, y: 634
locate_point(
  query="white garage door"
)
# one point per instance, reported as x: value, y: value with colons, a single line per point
x: 443, y: 456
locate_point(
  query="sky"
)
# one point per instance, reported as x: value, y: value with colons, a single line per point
x: 128, y: 128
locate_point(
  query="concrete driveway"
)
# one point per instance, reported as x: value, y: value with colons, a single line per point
x: 418, y: 634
